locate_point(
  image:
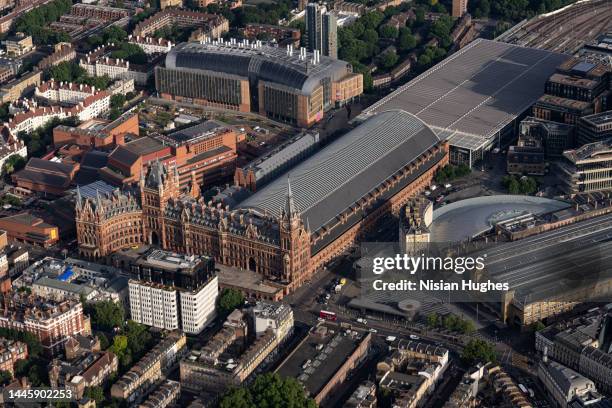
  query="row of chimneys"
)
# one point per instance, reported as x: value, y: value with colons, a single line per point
x: 232, y: 41
x: 316, y: 56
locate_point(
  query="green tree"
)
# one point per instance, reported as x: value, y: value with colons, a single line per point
x: 406, y: 41
x: 36, y: 21
x: 107, y: 315
x: 538, y: 326
x: 511, y: 184
x: 477, y: 351
x: 370, y: 36
x: 139, y: 338
x: 114, y: 34
x: 95, y: 393
x: 21, y: 368
x: 120, y: 345
x: 117, y: 101
x: 229, y: 300
x: 388, y: 31
x: 528, y: 185
x: 130, y: 52
x: 268, y: 391
x: 14, y: 163
x: 5, y: 377
x: 4, y: 112
x: 114, y: 113
x: 95, y: 40
x: 433, y: 320
x: 388, y: 60
x: 424, y: 61
x: 104, y: 343
x: 237, y: 398
x: 372, y: 19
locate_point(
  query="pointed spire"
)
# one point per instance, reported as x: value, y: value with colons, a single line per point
x: 194, y: 188
x: 98, y: 201
x: 290, y: 208
x: 79, y: 198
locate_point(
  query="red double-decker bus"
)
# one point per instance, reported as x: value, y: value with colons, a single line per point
x: 327, y: 315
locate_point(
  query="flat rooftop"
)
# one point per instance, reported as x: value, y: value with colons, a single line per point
x: 598, y: 118
x: 476, y: 92
x: 334, y: 349
x: 250, y: 281
x: 574, y: 81
x: 144, y: 145
x: 589, y: 151
x: 200, y: 131
x: 171, y: 261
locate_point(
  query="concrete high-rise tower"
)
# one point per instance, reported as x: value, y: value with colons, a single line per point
x: 330, y: 35
x: 321, y: 30
x: 459, y: 8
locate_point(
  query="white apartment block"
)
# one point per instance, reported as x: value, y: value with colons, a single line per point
x: 154, y: 305
x: 64, y: 92
x: 114, y: 69
x: 91, y: 107
x: 151, y: 45
x: 198, y: 309
x: 170, y: 308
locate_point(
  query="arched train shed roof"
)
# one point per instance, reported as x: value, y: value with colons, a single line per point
x: 333, y: 179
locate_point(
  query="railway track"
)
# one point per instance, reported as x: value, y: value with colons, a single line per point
x: 565, y: 30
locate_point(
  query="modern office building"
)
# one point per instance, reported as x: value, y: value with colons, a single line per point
x: 279, y: 233
x: 171, y: 291
x: 321, y: 30
x: 576, y: 89
x: 18, y: 45
x: 595, y: 128
x: 554, y: 137
x: 294, y: 88
x: 588, y: 168
x: 527, y: 157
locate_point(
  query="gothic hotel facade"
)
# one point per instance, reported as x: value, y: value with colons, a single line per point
x: 290, y: 227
